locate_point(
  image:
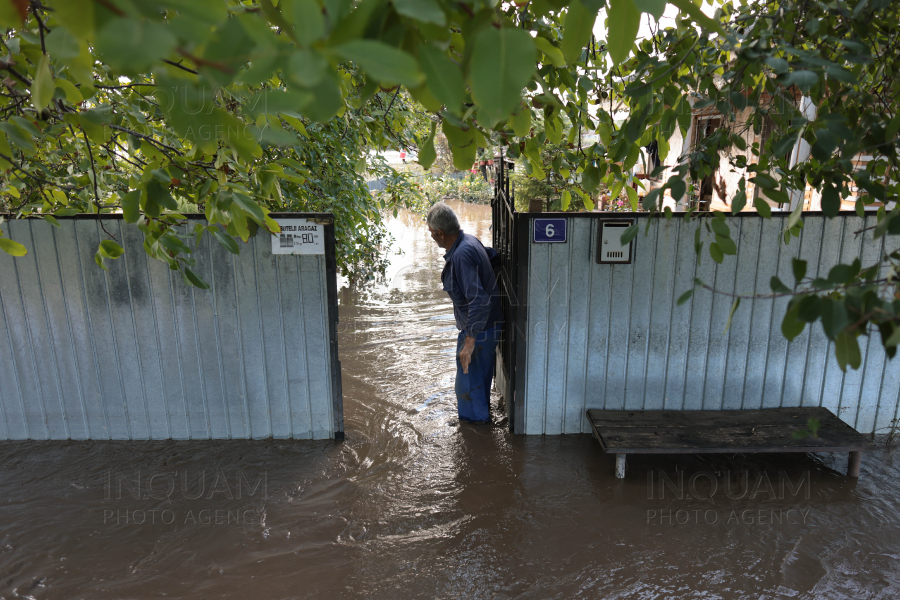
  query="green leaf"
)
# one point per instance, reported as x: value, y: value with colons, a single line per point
x: 229, y: 45
x: 764, y: 181
x: 424, y: 11
x: 131, y: 206
x: 632, y: 197
x: 553, y: 128
x: 834, y: 317
x: 110, y: 249
x: 159, y: 196
x: 502, y: 64
x: 894, y: 340
x: 521, y: 123
x: 77, y: 16
x: 250, y: 207
x: 726, y: 245
x: 846, y: 350
x: 73, y: 96
x: 427, y: 153
x: 577, y: 27
x: 762, y: 207
x: 791, y: 326
x: 799, y: 268
x: 716, y: 253
x: 131, y: 45
x: 678, y: 187
x: 890, y: 132
x: 174, y: 243
x: 813, y: 425
x: 195, y: 280
x: 306, y: 68
x: 309, y: 24
x: 227, y: 241
x: 653, y: 7
x: 566, y: 200
x: 803, y: 79
x: 693, y: 10
x: 327, y: 100
x: 685, y: 297
x: 649, y: 201
x: 443, y: 77
x: 18, y: 138
x: 809, y: 308
x: 62, y: 45
x: 778, y: 286
x: 624, y: 22
x: 734, y: 307
x: 457, y: 136
x: 463, y: 156
x: 831, y: 200
x: 588, y: 201
x: 739, y: 202
x: 51, y: 219
x: 843, y: 274
x: 552, y: 53
x: 796, y: 214
x: 720, y: 226
x: 42, y: 87
x: 590, y: 179
x: 12, y: 247
x: 207, y: 11
x: 98, y: 258
x: 388, y: 65
x: 10, y: 17
x: 629, y: 234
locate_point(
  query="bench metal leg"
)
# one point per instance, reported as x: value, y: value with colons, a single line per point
x: 620, y: 466
x: 853, y: 464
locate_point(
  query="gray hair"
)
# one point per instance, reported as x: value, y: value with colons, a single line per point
x: 442, y: 217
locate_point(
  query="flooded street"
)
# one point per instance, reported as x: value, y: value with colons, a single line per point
x: 412, y: 505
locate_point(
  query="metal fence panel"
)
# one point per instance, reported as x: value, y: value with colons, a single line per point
x: 135, y: 353
x: 613, y: 336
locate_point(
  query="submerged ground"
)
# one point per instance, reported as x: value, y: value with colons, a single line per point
x: 412, y: 505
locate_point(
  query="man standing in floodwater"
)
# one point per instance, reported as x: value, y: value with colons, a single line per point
x: 468, y: 278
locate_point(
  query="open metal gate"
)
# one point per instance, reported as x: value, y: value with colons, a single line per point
x: 513, y: 273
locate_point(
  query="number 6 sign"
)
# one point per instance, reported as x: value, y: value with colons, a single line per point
x: 549, y: 231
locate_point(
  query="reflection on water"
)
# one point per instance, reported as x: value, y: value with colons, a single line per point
x: 414, y: 506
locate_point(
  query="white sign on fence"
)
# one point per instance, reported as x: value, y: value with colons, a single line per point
x: 299, y: 236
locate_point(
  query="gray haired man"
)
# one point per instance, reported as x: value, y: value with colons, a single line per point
x: 469, y: 280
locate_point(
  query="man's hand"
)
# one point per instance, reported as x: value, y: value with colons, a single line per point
x: 465, y: 355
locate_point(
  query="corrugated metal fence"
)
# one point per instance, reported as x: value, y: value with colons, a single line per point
x: 612, y: 336
x: 134, y: 353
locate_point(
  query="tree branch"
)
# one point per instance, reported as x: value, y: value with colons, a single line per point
x: 180, y: 66
x: 146, y: 137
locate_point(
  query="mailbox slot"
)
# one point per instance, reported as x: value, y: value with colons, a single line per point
x: 609, y: 247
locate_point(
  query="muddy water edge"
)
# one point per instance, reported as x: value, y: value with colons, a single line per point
x: 412, y: 505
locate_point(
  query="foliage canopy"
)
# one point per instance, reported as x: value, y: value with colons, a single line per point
x: 242, y: 107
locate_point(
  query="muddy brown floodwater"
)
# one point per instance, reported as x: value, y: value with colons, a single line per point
x: 414, y: 506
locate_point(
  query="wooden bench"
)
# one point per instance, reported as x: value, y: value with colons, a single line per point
x: 622, y: 432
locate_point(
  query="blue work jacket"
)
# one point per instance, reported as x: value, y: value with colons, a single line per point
x: 469, y: 280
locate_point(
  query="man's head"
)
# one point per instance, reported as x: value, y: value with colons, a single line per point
x: 443, y: 225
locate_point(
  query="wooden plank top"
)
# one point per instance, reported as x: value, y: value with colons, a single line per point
x: 722, y: 431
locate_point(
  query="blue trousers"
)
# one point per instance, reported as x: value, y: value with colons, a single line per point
x: 473, y: 389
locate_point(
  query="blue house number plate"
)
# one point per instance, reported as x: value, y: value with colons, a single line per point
x: 549, y: 231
